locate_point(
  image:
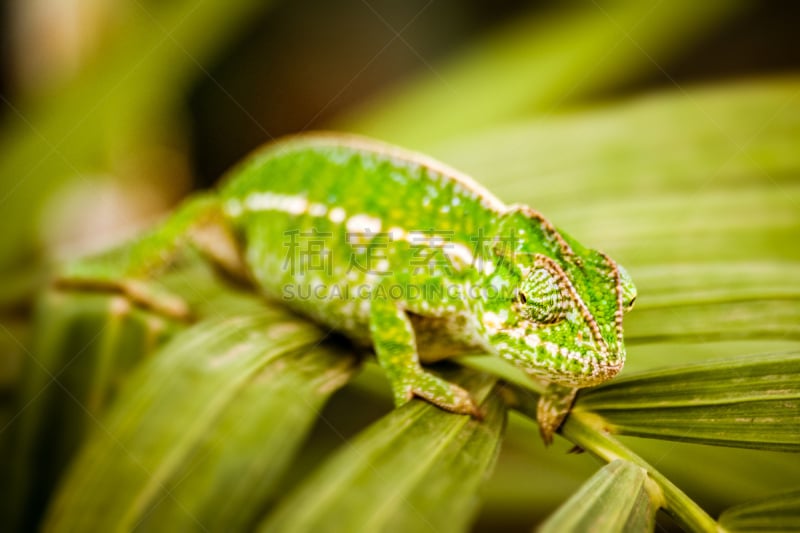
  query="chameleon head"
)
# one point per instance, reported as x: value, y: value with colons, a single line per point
x: 554, y: 308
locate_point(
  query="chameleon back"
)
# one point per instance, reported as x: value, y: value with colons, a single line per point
x: 325, y: 221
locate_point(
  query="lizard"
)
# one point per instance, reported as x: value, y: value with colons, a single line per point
x: 399, y: 252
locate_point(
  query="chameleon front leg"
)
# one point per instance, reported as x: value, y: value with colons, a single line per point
x: 553, y: 407
x: 130, y: 269
x: 395, y: 348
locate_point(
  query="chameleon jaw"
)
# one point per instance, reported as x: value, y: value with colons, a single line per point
x: 599, y: 373
x: 595, y: 368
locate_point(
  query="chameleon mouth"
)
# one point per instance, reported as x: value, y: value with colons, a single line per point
x: 609, y: 369
x: 606, y: 368
x: 592, y: 371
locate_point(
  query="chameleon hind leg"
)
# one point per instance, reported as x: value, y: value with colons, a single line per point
x: 131, y: 268
x: 395, y: 348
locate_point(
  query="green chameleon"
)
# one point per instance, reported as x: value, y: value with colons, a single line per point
x: 400, y: 253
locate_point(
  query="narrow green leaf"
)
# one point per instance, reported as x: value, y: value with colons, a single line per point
x: 83, y: 346
x: 214, y: 416
x: 729, y: 319
x: 614, y: 499
x: 589, y: 433
x: 416, y: 469
x: 780, y: 512
x: 236, y: 467
x: 12, y: 357
x: 749, y: 402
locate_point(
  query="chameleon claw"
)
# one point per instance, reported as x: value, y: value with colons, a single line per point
x: 461, y: 403
x: 458, y: 401
x: 548, y: 425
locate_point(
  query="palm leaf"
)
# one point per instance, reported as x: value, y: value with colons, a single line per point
x: 418, y: 468
x: 203, y: 432
x: 748, y: 402
x: 779, y: 512
x: 614, y: 499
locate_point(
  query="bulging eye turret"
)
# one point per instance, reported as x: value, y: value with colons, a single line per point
x: 541, y: 298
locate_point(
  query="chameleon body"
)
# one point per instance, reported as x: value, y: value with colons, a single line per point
x: 405, y: 255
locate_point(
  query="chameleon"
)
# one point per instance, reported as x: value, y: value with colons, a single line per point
x: 399, y: 253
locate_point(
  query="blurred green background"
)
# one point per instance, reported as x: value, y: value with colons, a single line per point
x: 114, y: 109
x: 666, y: 133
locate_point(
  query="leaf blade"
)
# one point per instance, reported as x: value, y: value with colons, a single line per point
x: 418, y: 467
x: 746, y: 402
x: 780, y: 512
x: 172, y: 406
x: 614, y: 499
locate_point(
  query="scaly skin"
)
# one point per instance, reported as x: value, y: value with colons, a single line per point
x: 389, y: 248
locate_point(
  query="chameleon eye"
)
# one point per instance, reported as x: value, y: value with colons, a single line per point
x: 627, y: 287
x: 543, y: 300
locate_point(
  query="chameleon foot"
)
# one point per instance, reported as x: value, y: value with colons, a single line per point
x: 439, y: 392
x: 150, y: 296
x: 143, y: 293
x: 554, y: 406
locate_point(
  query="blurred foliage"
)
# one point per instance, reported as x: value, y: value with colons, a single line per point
x: 114, y: 418
x: 122, y: 107
x: 528, y: 68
